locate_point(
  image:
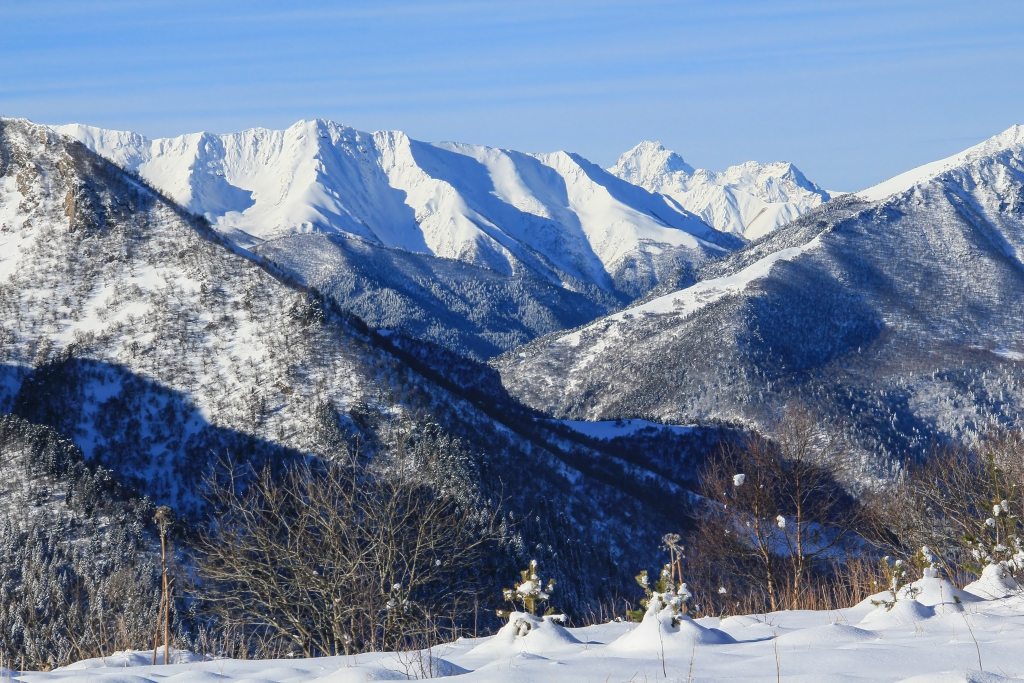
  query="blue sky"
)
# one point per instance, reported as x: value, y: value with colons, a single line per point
x: 851, y: 91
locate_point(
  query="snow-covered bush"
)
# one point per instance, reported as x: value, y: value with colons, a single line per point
x: 530, y: 593
x: 664, y: 593
x: 926, y: 562
x: 669, y: 591
x: 898, y: 577
x: 998, y: 541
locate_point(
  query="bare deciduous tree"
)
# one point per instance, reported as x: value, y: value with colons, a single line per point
x: 947, y: 503
x: 777, y: 507
x: 335, y: 559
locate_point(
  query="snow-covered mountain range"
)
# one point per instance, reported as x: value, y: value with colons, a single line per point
x: 749, y: 200
x: 475, y: 248
x: 556, y: 214
x: 896, y: 312
x: 221, y: 315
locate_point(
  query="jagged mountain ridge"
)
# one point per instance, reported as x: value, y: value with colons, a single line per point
x: 749, y: 200
x: 897, y: 314
x: 135, y: 330
x: 432, y: 229
x: 555, y: 214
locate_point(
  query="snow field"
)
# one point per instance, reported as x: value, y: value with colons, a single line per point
x: 941, y: 634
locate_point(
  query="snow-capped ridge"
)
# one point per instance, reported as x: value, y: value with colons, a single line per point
x: 555, y: 214
x: 1010, y: 140
x: 749, y: 199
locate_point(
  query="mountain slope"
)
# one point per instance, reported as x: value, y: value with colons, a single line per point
x: 74, y: 543
x: 749, y: 200
x: 133, y: 329
x: 899, y: 316
x: 469, y: 309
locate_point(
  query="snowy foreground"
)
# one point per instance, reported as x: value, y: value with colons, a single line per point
x: 940, y: 635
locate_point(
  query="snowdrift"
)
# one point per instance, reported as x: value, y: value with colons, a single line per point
x: 934, y: 632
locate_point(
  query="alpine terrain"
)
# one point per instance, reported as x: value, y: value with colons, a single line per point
x: 749, y: 200
x: 148, y: 345
x: 894, y: 313
x: 476, y: 248
x: 271, y: 336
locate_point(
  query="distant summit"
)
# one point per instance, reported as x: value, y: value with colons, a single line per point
x: 749, y: 200
x: 648, y: 163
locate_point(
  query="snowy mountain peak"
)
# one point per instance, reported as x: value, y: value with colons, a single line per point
x: 757, y: 171
x: 1009, y: 141
x: 556, y: 216
x: 1009, y: 138
x: 648, y: 161
x: 749, y: 199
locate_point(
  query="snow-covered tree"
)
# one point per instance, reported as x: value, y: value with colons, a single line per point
x: 997, y: 541
x: 530, y: 593
x: 898, y: 579
x: 778, y: 509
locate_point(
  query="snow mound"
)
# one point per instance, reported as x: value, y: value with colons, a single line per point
x: 197, y: 677
x: 745, y: 628
x: 828, y: 635
x: 739, y: 621
x: 526, y: 632
x: 995, y: 583
x: 664, y: 632
x: 903, y: 613
x: 127, y: 658
x: 400, y: 667
x: 919, y: 600
x: 933, y: 591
